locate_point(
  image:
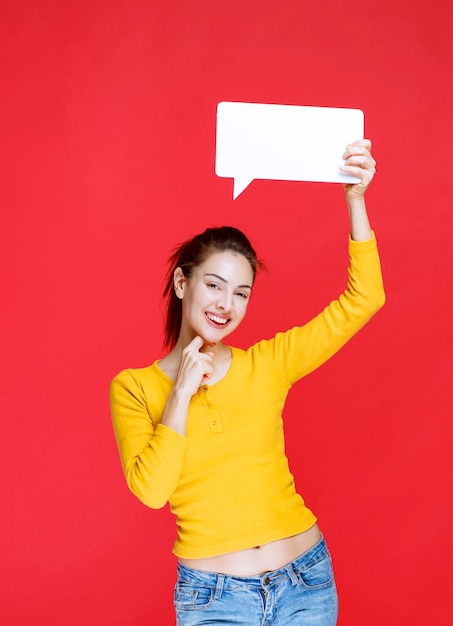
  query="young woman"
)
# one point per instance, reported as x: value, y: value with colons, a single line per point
x: 202, y: 429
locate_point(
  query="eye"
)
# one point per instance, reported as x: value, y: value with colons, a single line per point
x: 212, y: 286
x: 243, y: 295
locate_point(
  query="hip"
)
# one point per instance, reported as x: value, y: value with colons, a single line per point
x: 301, y: 592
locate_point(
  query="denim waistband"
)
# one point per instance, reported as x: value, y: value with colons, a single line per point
x: 266, y: 579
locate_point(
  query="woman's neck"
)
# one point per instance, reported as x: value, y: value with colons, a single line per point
x: 221, y: 362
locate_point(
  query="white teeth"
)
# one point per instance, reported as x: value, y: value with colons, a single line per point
x: 217, y: 320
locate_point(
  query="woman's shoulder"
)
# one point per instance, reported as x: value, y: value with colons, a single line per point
x: 262, y: 348
x: 138, y: 375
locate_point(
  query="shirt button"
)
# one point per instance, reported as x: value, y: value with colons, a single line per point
x: 209, y: 406
x: 213, y: 423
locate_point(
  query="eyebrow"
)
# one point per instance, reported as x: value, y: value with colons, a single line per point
x: 226, y: 282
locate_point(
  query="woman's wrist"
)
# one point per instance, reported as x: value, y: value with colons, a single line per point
x: 360, y: 225
x: 175, y: 413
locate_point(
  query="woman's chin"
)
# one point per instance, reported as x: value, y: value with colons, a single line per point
x: 214, y: 336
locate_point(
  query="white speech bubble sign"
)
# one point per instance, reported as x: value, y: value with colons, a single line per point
x: 283, y: 142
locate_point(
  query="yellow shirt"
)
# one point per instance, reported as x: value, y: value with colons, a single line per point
x: 228, y: 480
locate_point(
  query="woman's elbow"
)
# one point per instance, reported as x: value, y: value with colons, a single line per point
x: 379, y: 300
x: 149, y: 498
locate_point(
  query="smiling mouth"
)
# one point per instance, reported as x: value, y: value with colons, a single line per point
x: 215, y: 319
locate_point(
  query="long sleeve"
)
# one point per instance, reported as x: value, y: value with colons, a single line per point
x: 152, y: 454
x: 302, y: 349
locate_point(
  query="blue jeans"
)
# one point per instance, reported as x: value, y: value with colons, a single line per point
x: 302, y: 593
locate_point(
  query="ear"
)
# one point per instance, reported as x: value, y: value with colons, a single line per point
x: 179, y: 282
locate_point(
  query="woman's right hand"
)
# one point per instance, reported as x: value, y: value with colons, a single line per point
x: 195, y: 368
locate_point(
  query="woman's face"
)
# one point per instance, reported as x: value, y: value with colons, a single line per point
x: 215, y: 297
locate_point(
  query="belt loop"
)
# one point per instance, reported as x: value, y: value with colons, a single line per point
x: 219, y: 586
x: 292, y: 574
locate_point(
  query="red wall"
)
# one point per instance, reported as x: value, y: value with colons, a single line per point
x: 107, y: 133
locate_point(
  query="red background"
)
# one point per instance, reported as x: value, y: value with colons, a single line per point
x: 107, y: 120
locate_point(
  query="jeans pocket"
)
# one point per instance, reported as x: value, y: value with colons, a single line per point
x: 188, y: 596
x: 318, y: 574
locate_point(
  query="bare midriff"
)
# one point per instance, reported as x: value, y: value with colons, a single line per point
x: 260, y: 559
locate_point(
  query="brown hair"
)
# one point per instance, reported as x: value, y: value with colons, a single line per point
x: 190, y: 255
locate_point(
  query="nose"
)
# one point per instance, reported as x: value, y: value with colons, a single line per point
x: 225, y: 301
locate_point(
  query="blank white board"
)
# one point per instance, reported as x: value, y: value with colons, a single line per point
x: 283, y: 142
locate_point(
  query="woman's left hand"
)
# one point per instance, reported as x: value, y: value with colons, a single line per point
x: 358, y: 162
